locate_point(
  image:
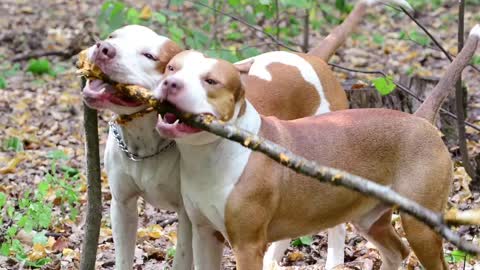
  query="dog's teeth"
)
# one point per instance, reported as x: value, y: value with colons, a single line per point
x: 176, y: 122
x: 102, y: 90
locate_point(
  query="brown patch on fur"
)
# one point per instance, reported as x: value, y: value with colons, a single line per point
x: 225, y: 95
x: 168, y: 50
x: 288, y: 96
x: 332, y: 88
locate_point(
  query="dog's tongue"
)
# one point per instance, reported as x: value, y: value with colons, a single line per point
x: 170, y: 118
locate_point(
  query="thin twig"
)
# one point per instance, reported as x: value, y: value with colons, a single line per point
x: 404, y: 89
x: 63, y: 54
x: 242, y: 21
x: 306, y: 31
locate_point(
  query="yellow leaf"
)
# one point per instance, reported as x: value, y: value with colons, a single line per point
x: 50, y: 242
x: 12, y: 164
x: 155, y: 231
x: 295, y: 256
x: 172, y: 236
x: 146, y: 13
x: 68, y: 252
x: 38, y: 252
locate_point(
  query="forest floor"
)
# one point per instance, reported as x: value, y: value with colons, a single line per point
x: 45, y: 113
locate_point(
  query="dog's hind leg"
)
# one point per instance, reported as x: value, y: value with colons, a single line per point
x: 426, y: 243
x: 184, y: 253
x: 382, y: 234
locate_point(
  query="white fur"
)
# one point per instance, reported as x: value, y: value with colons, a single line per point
x: 156, y: 179
x: 205, y: 197
x: 194, y: 66
x: 130, y: 65
x: 398, y: 3
x: 261, y: 62
x: 475, y: 31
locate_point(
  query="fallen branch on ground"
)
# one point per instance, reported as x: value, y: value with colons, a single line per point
x: 301, y: 165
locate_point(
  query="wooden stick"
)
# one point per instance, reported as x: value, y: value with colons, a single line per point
x: 94, y: 192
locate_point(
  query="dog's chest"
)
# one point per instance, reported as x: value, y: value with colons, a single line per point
x: 156, y: 179
x: 208, y: 179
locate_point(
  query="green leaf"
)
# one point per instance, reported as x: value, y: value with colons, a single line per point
x: 384, y: 85
x: 265, y: 2
x: 302, y: 241
x: 13, y: 144
x: 133, y: 16
x: 39, y: 263
x: 171, y: 252
x: 159, y: 17
x: 475, y: 60
x: 419, y: 38
x: 39, y: 66
x: 379, y: 39
x: 40, y: 238
x: 57, y: 154
x: 3, y: 200
x: 3, y: 83
x: 5, y: 249
x: 235, y: 3
x: 176, y: 33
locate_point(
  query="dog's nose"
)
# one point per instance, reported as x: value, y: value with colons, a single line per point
x: 106, y: 50
x: 172, y: 86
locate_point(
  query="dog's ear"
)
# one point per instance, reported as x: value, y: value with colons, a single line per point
x: 168, y: 50
x: 244, y: 67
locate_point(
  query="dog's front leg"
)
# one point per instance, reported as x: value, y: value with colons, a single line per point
x: 184, y: 252
x: 207, y: 247
x: 124, y: 226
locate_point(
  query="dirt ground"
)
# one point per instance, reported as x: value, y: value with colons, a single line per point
x: 46, y: 113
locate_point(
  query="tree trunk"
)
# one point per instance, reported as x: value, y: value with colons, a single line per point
x: 368, y: 97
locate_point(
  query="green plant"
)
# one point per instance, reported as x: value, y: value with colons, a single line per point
x: 34, y: 209
x: 457, y: 256
x: 384, y: 85
x: 13, y: 144
x: 40, y: 66
x: 302, y: 241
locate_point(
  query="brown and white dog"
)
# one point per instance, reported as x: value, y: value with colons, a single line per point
x: 251, y: 200
x: 282, y: 84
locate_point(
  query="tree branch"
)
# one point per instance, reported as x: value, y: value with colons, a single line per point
x: 405, y: 89
x: 459, y: 93
x: 94, y: 192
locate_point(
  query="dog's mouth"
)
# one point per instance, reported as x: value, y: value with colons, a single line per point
x: 97, y: 91
x: 171, y: 126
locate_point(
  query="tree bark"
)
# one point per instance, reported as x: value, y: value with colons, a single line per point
x: 94, y: 192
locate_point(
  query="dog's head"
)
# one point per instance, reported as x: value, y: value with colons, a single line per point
x: 198, y: 84
x: 133, y: 54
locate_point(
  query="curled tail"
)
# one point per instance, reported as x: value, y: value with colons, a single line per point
x: 340, y: 33
x: 431, y: 105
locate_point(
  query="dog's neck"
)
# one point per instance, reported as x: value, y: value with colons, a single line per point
x: 220, y: 155
x: 140, y: 135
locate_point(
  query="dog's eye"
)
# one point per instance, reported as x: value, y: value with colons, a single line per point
x: 211, y: 82
x: 170, y: 68
x: 149, y: 56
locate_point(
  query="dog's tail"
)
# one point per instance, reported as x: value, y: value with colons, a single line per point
x: 432, y: 104
x: 337, y: 37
